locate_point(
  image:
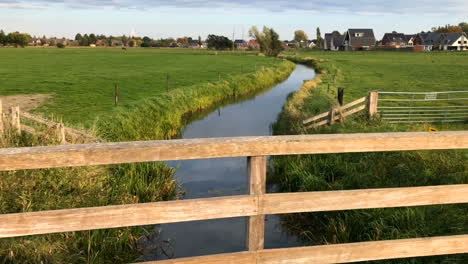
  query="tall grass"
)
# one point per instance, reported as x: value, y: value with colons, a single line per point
x: 363, y: 171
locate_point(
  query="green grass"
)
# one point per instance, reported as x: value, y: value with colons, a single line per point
x: 360, y: 73
x: 82, y: 80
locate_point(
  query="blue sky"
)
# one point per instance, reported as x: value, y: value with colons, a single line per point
x: 201, y: 17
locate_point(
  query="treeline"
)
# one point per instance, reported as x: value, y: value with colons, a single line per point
x: 16, y: 39
x: 460, y: 28
x: 103, y: 40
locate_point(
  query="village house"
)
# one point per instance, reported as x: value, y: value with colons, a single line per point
x: 409, y: 39
x: 359, y: 39
x: 333, y: 41
x: 454, y: 41
x: 394, y: 40
x: 253, y: 44
x: 241, y: 44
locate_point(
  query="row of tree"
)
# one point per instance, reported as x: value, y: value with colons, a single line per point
x: 460, y: 28
x: 16, y: 39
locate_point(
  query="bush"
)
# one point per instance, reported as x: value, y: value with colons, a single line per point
x: 60, y: 46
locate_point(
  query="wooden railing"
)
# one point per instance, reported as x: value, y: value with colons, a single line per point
x: 256, y: 204
x: 339, y: 113
x: 13, y: 119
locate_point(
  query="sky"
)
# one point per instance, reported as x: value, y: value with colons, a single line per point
x: 193, y: 18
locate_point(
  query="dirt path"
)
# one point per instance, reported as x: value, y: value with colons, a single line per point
x: 26, y: 102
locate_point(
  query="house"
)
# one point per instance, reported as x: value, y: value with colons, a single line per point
x: 409, y: 39
x: 101, y: 42
x: 359, y: 39
x: 333, y: 41
x: 241, y: 44
x: 432, y: 41
x: 291, y: 44
x: 454, y: 41
x: 253, y: 44
x: 116, y: 42
x: 394, y: 40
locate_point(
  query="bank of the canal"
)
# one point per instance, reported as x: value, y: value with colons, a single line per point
x: 224, y: 177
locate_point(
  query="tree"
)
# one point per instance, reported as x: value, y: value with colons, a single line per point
x: 3, y: 38
x: 147, y: 42
x: 124, y: 40
x: 319, y: 39
x: 300, y: 35
x: 448, y: 29
x: 219, y: 42
x: 18, y: 39
x: 464, y: 27
x: 78, y: 37
x: 268, y: 40
x: 92, y: 39
x: 199, y: 41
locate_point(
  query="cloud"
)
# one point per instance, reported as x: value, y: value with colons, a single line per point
x: 415, y: 7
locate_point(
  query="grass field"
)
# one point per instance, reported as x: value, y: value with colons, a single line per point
x: 81, y: 80
x: 360, y: 73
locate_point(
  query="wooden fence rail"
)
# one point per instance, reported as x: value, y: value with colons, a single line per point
x: 15, y: 122
x: 256, y: 204
x: 340, y: 112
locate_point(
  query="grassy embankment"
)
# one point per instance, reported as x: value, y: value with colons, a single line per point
x: 359, y: 73
x: 161, y: 116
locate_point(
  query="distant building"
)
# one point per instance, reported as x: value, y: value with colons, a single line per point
x: 432, y: 41
x: 394, y: 40
x: 241, y: 44
x: 409, y: 39
x: 454, y: 41
x: 253, y: 44
x: 333, y: 41
x: 359, y: 39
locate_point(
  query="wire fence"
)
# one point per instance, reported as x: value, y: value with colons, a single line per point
x: 423, y: 107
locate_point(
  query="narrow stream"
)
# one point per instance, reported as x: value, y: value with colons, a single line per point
x: 224, y: 177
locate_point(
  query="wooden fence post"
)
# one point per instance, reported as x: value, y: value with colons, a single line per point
x: 373, y: 103
x: 331, y: 116
x: 255, y: 235
x: 116, y: 93
x: 341, y: 96
x: 61, y: 133
x: 15, y: 118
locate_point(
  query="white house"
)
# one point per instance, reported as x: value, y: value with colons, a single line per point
x: 455, y: 41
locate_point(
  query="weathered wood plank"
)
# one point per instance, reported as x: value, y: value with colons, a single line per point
x: 326, y: 114
x: 233, y: 258
x: 366, y: 251
x: 358, y: 101
x: 187, y: 149
x: 255, y: 234
x: 341, y: 253
x: 352, y: 112
x: 315, y: 118
x: 38, y: 119
x: 45, y: 222
x: 28, y: 129
x: 373, y: 103
x: 285, y: 203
